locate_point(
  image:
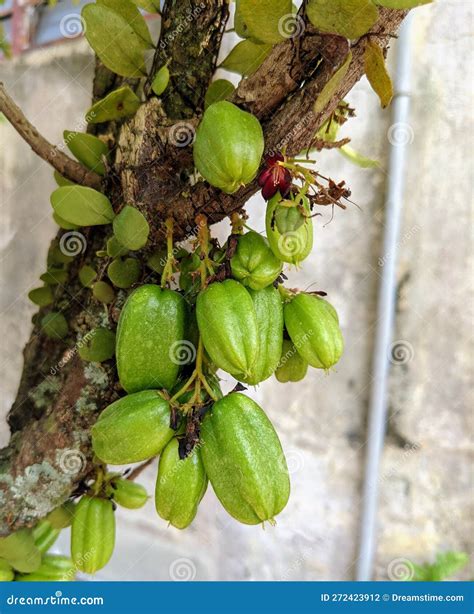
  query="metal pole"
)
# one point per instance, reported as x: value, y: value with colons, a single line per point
x: 400, y: 134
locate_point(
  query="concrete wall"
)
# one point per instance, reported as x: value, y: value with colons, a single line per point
x: 426, y: 478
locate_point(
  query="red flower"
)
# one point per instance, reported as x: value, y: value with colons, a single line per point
x: 274, y: 177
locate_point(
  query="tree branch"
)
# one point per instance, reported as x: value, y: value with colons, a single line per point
x: 68, y: 168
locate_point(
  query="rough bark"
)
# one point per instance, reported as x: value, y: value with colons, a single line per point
x: 60, y: 396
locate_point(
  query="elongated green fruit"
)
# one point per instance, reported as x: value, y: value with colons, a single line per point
x: 269, y: 312
x: 244, y: 460
x: 150, y: 335
x: 292, y: 367
x: 254, y: 263
x: 45, y: 535
x: 313, y: 327
x: 53, y: 568
x: 20, y: 551
x: 6, y: 571
x: 132, y: 429
x: 62, y: 516
x: 228, y: 326
x: 180, y: 485
x: 296, y: 242
x: 228, y: 147
x: 92, y: 534
x: 129, y: 494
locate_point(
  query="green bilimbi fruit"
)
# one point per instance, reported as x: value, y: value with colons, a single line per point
x: 313, y: 327
x: 269, y: 312
x: 228, y: 147
x: 20, y: 551
x: 45, y: 535
x: 132, y: 429
x: 180, y: 485
x: 254, y: 263
x: 228, y: 325
x: 128, y: 494
x: 62, y: 516
x: 150, y: 334
x: 6, y: 571
x: 296, y: 241
x: 92, y: 534
x: 244, y: 460
x: 292, y: 367
x: 53, y: 568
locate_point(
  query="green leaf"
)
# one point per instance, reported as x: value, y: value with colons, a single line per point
x: 61, y: 181
x: 218, y: 90
x: 262, y: 18
x: 132, y: 16
x: 123, y: 273
x: 54, y: 276
x: 54, y: 325
x: 349, y: 18
x: 41, y: 296
x: 161, y: 80
x: 82, y: 206
x: 115, y: 41
x: 401, y: 4
x: 20, y: 551
x: 116, y: 105
x: 445, y: 566
x: 332, y: 85
x: 115, y: 249
x: 88, y: 149
x: 151, y: 6
x: 103, y: 292
x: 62, y: 223
x: 356, y: 158
x: 131, y: 228
x: 245, y: 57
x: 97, y: 345
x: 377, y: 74
x: 87, y: 275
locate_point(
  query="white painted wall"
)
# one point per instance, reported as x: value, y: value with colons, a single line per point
x: 426, y: 495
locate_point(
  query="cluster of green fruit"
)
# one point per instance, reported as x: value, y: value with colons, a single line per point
x: 230, y: 312
x: 24, y: 554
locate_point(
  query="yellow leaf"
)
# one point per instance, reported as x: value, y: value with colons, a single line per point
x: 332, y: 85
x: 377, y: 74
